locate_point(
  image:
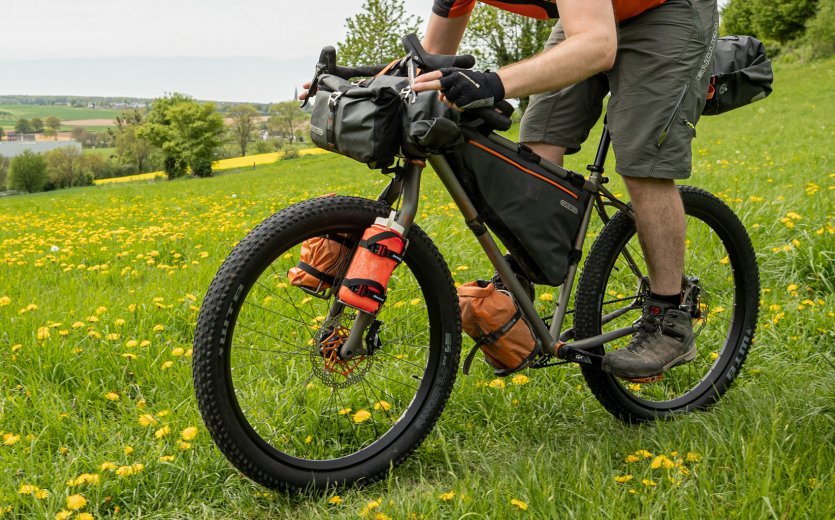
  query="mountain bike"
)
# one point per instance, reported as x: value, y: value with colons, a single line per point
x: 299, y: 390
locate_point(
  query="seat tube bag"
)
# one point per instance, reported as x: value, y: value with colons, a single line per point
x: 379, y: 252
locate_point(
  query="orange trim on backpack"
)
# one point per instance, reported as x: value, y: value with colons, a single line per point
x: 529, y: 172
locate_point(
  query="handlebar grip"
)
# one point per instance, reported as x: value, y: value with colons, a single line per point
x: 494, y: 119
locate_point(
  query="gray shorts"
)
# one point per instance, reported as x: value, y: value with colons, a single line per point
x: 658, y: 85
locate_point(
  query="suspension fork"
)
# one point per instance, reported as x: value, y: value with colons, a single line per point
x: 407, y: 186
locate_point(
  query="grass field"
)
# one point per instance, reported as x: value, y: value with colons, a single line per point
x: 64, y: 113
x: 100, y: 293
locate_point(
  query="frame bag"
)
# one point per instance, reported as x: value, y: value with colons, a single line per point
x: 361, y: 121
x: 535, y: 213
x: 741, y: 74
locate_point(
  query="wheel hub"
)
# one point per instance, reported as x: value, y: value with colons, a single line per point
x: 328, y: 365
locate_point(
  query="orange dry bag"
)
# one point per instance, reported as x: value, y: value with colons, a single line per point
x: 379, y: 252
x: 319, y: 261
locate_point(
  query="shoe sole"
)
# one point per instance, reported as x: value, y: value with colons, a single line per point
x: 688, y: 356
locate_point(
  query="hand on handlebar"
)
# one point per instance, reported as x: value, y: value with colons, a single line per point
x: 303, y: 93
x: 462, y: 88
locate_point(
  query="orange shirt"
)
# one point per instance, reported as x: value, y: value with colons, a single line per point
x: 541, y: 9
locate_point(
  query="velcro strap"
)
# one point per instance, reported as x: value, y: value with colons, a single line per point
x: 469, y: 360
x: 361, y: 286
x: 374, y: 247
x: 312, y: 271
x: 489, y: 339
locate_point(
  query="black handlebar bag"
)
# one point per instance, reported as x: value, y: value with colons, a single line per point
x: 362, y: 121
x: 742, y: 74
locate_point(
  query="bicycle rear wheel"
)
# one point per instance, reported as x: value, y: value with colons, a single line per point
x: 278, y: 401
x: 614, y: 283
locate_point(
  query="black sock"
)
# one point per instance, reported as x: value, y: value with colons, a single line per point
x: 673, y: 299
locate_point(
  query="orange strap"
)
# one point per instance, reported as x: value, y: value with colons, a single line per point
x: 387, y: 68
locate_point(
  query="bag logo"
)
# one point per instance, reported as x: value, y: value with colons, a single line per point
x: 569, y: 207
x: 317, y: 130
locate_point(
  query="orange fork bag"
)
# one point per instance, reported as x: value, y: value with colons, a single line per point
x: 319, y: 262
x: 493, y: 320
x: 378, y: 253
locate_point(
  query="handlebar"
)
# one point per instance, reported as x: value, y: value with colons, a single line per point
x: 496, y: 118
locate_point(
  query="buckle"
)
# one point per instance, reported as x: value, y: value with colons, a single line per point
x: 333, y: 98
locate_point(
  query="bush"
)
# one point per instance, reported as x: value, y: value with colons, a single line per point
x: 290, y: 153
x: 27, y: 172
x: 820, y: 34
x: 780, y: 20
x: 66, y: 168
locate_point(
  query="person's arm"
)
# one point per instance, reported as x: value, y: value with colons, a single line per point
x: 444, y: 35
x: 590, y: 47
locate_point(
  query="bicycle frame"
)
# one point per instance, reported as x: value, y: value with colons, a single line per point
x: 553, y: 341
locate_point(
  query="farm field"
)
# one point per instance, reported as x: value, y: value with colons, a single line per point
x: 100, y: 292
x: 64, y: 113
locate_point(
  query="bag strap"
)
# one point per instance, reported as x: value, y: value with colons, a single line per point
x: 361, y: 286
x: 489, y: 339
x: 309, y: 269
x: 374, y: 247
x: 387, y: 68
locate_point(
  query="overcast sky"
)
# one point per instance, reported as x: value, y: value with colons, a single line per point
x: 249, y: 50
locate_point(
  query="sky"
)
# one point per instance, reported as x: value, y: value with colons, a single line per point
x: 248, y: 50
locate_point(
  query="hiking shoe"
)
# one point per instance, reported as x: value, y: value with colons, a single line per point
x: 664, y: 340
x: 514, y: 265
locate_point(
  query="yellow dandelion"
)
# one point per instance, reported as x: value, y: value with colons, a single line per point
x: 10, y: 439
x: 382, y: 405
x: 162, y: 432
x: 335, y: 500
x: 661, y: 461
x: 128, y: 450
x: 147, y: 420
x: 41, y: 494
x: 63, y: 514
x: 158, y: 328
x: 546, y: 297
x: 27, y: 489
x: 519, y: 504
x: 520, y: 379
x: 166, y: 458
x: 166, y: 365
x: 178, y: 351
x: 635, y: 387
x: 446, y: 497
x: 344, y: 411
x: 623, y: 479
x: 76, y: 502
x: 43, y: 333
x: 5, y: 300
x: 361, y: 416
x: 692, y: 457
x: 101, y: 310
x: 497, y: 383
x: 189, y: 433
x: 119, y: 322
x: 370, y: 506
x: 644, y: 453
x: 183, y: 446
x: 308, y: 439
x: 107, y: 466
x: 648, y: 483
x: 129, y: 355
x: 632, y: 458
x: 131, y: 343
x: 725, y: 260
x: 144, y: 343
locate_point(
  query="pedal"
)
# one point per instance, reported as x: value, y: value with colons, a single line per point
x: 650, y: 379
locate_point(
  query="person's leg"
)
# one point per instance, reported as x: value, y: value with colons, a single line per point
x: 658, y: 86
x: 659, y: 218
x: 557, y: 123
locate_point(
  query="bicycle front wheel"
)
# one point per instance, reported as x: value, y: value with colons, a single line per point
x: 279, y: 402
x: 720, y: 261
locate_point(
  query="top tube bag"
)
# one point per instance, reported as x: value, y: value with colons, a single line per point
x: 534, y: 213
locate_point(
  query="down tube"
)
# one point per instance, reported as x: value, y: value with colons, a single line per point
x: 468, y: 210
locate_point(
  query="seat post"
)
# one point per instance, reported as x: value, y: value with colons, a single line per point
x: 597, y: 168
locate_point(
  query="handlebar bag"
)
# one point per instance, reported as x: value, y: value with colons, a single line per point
x: 741, y: 74
x: 362, y: 121
x: 535, y: 213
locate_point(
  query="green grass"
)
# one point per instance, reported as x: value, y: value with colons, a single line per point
x: 104, y: 152
x: 64, y: 113
x: 134, y: 255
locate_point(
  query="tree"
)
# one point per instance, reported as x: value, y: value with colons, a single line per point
x: 243, y: 124
x: 374, y: 34
x: 498, y: 38
x: 65, y: 168
x: 37, y: 125
x: 27, y: 172
x: 780, y: 20
x: 79, y: 134
x: 23, y: 126
x: 53, y: 125
x: 130, y: 148
x: 2, y: 133
x: 187, y: 133
x: 285, y: 118
x: 5, y: 162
